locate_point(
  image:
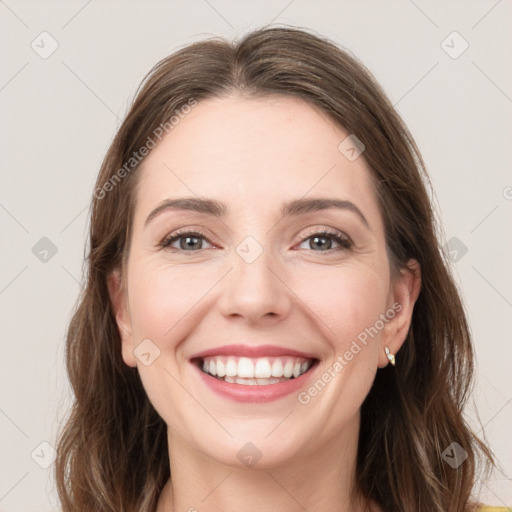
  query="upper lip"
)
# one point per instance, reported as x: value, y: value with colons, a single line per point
x: 254, y: 351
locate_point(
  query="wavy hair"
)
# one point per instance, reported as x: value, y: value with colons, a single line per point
x: 112, y: 451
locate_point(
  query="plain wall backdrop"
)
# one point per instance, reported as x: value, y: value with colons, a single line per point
x: 68, y: 73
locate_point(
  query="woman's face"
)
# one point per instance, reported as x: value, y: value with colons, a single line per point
x: 273, y: 282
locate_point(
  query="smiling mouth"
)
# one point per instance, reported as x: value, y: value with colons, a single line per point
x: 247, y: 371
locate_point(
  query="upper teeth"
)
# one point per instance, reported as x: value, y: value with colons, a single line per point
x: 260, y: 368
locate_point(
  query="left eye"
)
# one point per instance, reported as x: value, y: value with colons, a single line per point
x: 190, y: 241
x: 324, y: 241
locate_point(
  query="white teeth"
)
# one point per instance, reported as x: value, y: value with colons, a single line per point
x: 288, y: 369
x: 246, y: 368
x: 221, y: 370
x: 231, y: 367
x: 277, y: 368
x: 272, y: 380
x: 263, y: 369
x: 247, y: 382
x: 255, y: 371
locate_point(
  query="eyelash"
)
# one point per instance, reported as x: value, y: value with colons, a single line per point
x: 340, y: 238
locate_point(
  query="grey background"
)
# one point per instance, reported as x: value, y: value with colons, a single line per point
x: 60, y: 113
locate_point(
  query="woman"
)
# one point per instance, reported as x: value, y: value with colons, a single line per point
x: 269, y: 322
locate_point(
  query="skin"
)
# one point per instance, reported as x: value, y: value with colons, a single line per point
x: 253, y: 155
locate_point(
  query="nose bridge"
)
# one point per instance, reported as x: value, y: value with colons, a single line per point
x: 253, y: 289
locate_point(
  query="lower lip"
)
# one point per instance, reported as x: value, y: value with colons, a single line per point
x: 255, y: 394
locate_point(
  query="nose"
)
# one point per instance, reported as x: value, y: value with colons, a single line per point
x: 255, y: 291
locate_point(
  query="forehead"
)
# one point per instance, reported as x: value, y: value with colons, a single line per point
x: 254, y: 151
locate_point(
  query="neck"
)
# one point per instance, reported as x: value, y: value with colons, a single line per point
x: 318, y: 481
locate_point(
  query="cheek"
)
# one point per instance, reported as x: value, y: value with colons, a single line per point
x: 161, y: 301
x: 347, y: 301
x: 163, y: 305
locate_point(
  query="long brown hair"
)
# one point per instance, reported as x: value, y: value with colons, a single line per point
x: 112, y: 452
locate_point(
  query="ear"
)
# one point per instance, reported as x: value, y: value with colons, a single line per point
x: 119, y: 301
x: 403, y: 295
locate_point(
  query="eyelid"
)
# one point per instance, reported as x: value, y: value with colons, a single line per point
x: 326, y: 231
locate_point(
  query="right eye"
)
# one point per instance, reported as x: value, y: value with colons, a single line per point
x: 189, y: 241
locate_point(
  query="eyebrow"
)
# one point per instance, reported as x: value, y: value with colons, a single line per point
x: 291, y: 208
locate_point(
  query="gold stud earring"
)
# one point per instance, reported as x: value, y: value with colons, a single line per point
x: 390, y: 356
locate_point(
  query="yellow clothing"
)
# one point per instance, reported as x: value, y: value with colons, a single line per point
x: 495, y: 509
